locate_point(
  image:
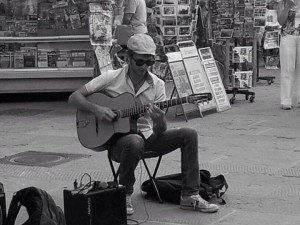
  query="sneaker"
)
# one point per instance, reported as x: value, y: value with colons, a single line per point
x: 195, y: 202
x: 286, y: 107
x: 129, y: 207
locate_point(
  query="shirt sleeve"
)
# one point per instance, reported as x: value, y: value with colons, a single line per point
x: 104, y: 80
x: 97, y: 84
x: 130, y: 6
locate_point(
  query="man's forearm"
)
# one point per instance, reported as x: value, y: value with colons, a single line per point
x: 80, y: 102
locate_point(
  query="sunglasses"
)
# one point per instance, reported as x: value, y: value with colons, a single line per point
x: 141, y: 62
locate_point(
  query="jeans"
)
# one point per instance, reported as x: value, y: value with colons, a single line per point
x: 290, y: 68
x: 127, y: 150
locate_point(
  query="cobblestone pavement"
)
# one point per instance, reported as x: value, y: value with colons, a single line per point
x: 255, y: 145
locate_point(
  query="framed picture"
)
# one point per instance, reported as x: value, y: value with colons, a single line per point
x: 226, y: 33
x: 169, y: 2
x: 183, y: 10
x: 259, y: 22
x: 169, y: 31
x: 168, y: 10
x: 184, y: 30
x: 183, y: 20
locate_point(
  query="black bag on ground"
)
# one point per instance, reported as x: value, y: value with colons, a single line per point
x: 169, y: 187
x: 40, y: 206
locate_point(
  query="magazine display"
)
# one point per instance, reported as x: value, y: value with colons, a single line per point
x: 100, y: 23
x: 242, y: 79
x: 231, y: 18
x: 175, y: 20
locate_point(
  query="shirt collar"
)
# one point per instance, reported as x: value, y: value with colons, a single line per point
x: 149, y: 79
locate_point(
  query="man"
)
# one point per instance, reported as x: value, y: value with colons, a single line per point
x: 135, y: 14
x: 153, y: 134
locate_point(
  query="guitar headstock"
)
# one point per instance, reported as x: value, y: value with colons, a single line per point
x: 198, y: 98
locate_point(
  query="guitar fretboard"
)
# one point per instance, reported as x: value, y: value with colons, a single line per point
x: 143, y: 108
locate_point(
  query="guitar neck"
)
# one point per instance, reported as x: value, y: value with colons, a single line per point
x: 143, y: 108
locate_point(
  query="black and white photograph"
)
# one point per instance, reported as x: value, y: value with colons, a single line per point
x: 169, y: 30
x: 259, y: 22
x: 183, y: 10
x: 184, y: 30
x: 183, y: 20
x: 226, y: 33
x: 168, y: 10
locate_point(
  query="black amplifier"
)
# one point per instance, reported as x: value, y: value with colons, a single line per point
x: 97, y: 207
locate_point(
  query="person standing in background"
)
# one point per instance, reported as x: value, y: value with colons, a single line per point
x: 135, y: 14
x: 288, y: 17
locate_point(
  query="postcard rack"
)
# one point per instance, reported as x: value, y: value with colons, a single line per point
x: 235, y: 81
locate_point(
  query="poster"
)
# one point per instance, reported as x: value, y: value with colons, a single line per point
x: 180, y: 79
x: 197, y: 80
x: 214, y: 79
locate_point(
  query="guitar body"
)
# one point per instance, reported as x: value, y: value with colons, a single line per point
x: 94, y: 133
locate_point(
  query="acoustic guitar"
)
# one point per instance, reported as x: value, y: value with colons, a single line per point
x: 94, y: 133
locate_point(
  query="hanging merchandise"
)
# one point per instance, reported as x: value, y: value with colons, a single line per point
x: 234, y: 26
x: 100, y: 24
x: 175, y: 20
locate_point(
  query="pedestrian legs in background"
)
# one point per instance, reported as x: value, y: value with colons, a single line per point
x: 290, y: 70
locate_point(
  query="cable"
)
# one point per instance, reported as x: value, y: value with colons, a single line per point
x: 85, y: 174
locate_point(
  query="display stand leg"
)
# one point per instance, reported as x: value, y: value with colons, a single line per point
x: 269, y: 79
x: 255, y: 63
x: 177, y: 114
x: 227, y: 55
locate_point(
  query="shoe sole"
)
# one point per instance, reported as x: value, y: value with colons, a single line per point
x: 198, y: 209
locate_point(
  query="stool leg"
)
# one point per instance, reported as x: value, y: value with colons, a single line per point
x: 115, y: 174
x: 152, y: 181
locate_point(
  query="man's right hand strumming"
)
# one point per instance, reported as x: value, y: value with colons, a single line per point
x: 104, y: 113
